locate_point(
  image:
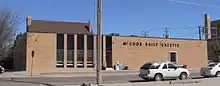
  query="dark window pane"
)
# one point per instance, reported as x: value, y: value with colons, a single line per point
x: 109, y: 58
x: 90, y: 51
x: 90, y: 42
x: 60, y: 58
x: 109, y: 43
x: 80, y: 58
x: 146, y: 66
x: 173, y: 57
x: 165, y: 66
x: 70, y: 42
x: 171, y: 66
x: 70, y: 59
x: 90, y: 58
x: 154, y: 66
x: 80, y: 42
x: 60, y: 41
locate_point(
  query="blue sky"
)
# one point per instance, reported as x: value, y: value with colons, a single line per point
x: 123, y: 16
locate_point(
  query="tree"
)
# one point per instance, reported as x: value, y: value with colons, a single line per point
x: 8, y: 27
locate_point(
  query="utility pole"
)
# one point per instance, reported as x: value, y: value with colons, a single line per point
x: 99, y: 42
x: 166, y: 33
x: 200, y: 36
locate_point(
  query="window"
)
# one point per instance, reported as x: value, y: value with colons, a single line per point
x: 170, y: 66
x: 173, y: 57
x: 109, y: 51
x: 109, y: 43
x: 90, y: 51
x: 60, y: 51
x: 165, y: 66
x: 80, y: 51
x: 150, y: 66
x: 70, y: 50
x: 146, y: 66
x: 212, y: 65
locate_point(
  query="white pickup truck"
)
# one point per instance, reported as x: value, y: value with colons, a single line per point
x: 161, y: 70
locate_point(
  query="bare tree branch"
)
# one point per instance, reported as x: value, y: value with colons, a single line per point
x: 8, y: 27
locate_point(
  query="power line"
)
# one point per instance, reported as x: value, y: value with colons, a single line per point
x: 193, y: 3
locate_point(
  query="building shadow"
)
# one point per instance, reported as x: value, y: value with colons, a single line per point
x: 31, y: 82
x: 141, y: 80
x: 200, y: 77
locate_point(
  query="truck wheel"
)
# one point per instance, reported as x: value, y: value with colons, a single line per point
x: 183, y: 76
x: 217, y: 74
x: 158, y: 77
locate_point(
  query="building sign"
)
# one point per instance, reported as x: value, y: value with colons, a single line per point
x: 150, y: 44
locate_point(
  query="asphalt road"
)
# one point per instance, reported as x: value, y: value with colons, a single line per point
x: 73, y: 80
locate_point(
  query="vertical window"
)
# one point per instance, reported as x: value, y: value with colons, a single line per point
x: 80, y: 51
x: 173, y: 57
x: 90, y: 51
x: 70, y: 50
x: 109, y: 51
x: 60, y: 51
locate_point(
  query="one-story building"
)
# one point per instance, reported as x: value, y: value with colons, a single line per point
x: 54, y: 46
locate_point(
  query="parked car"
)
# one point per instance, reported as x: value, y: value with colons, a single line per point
x: 212, y: 69
x: 2, y: 69
x: 162, y: 70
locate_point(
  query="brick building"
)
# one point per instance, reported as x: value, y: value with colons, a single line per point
x: 71, y: 46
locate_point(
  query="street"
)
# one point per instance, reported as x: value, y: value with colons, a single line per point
x: 52, y: 81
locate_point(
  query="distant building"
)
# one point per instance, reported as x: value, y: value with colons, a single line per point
x: 51, y: 46
x: 213, y: 50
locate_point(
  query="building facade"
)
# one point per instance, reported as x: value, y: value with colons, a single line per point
x: 213, y: 40
x: 68, y: 47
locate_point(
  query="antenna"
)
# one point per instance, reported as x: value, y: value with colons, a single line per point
x: 166, y: 33
x: 145, y: 33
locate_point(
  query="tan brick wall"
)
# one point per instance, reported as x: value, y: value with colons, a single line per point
x: 44, y: 45
x: 193, y: 53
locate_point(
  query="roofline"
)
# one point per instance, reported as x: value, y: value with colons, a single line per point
x: 62, y: 21
x: 129, y: 36
x: 217, y: 20
x: 162, y: 38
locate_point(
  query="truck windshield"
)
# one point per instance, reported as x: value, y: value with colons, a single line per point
x: 150, y: 66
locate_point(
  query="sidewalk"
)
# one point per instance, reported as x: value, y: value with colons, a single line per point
x: 190, y: 82
x: 154, y: 83
x: 24, y: 74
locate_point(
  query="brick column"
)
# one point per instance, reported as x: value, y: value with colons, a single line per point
x: 75, y: 51
x: 85, y: 51
x: 65, y: 50
x: 104, y: 52
x: 94, y: 51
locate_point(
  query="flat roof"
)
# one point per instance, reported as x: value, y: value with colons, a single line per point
x: 160, y: 37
